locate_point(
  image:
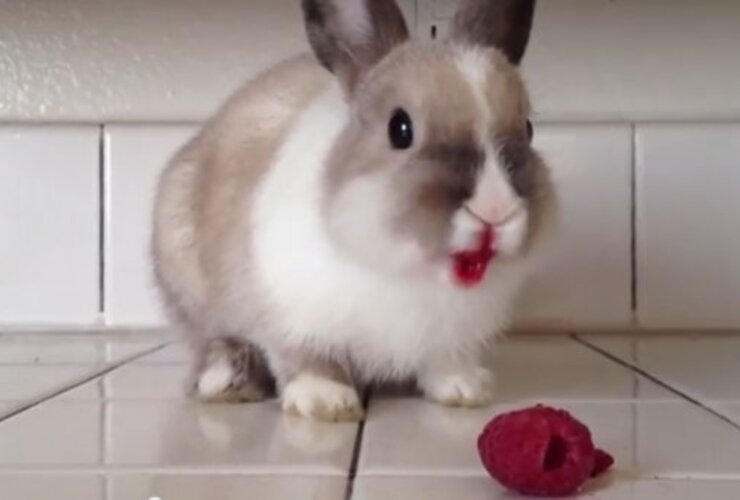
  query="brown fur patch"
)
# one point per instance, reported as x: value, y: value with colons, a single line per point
x: 506, y: 96
x: 341, y: 47
x: 504, y: 24
x: 251, y: 381
x: 438, y: 173
x: 201, y: 230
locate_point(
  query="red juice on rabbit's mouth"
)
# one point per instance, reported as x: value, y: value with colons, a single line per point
x: 469, y: 266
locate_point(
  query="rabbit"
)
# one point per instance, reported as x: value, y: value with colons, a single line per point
x: 361, y: 214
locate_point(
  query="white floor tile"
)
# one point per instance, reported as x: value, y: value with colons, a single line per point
x: 57, y: 348
x: 32, y: 381
x: 173, y: 434
x: 51, y: 487
x: 54, y: 434
x: 34, y: 366
x: 41, y: 486
x: 481, y: 488
x: 93, y: 346
x: 676, y: 440
x: 134, y: 381
x: 730, y: 409
x: 191, y: 487
x: 254, y: 437
x: 417, y: 437
x: 121, y: 349
x: 133, y: 434
x: 703, y: 365
x: 176, y: 353
x: 558, y: 368
x: 669, y: 439
x: 427, y: 488
x: 642, y: 424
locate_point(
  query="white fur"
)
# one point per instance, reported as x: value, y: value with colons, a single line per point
x: 494, y: 199
x: 362, y: 216
x: 356, y: 18
x: 390, y: 326
x: 312, y: 396
x: 466, y: 230
x: 462, y: 386
x: 216, y: 378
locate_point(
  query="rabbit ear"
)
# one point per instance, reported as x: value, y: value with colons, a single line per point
x: 350, y: 36
x: 504, y: 24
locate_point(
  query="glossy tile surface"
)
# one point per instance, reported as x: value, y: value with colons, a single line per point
x: 528, y: 368
x: 225, y: 487
x: 131, y: 432
x: 138, y: 416
x: 633, y: 418
x: 36, y: 366
x: 51, y: 487
x: 480, y: 488
x: 135, y: 156
x: 688, y: 271
x: 705, y: 365
x: 49, y: 210
x: 590, y: 169
x: 179, y: 487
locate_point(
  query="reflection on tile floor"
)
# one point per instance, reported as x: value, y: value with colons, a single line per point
x: 127, y: 432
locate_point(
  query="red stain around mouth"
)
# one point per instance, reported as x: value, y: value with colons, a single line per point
x: 469, y: 266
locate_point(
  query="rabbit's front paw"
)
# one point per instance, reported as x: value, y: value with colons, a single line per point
x: 321, y: 398
x: 469, y: 388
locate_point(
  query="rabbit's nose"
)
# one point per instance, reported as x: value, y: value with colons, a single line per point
x: 493, y: 213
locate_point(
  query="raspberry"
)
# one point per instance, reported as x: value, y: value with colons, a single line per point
x: 540, y: 451
x: 602, y: 462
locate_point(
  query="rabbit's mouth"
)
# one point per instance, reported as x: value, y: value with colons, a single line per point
x: 469, y: 266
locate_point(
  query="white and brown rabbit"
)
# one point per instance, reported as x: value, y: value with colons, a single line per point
x: 363, y: 214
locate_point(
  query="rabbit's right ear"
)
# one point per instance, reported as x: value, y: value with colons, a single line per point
x: 504, y: 24
x: 350, y: 36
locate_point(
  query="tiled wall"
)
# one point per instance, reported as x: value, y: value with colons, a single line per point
x: 648, y: 232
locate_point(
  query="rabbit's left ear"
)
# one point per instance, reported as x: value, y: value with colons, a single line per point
x: 504, y: 24
x: 350, y: 36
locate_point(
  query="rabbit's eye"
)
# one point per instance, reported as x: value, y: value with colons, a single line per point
x: 530, y: 131
x: 401, y: 130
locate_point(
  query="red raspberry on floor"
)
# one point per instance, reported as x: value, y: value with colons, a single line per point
x: 540, y: 451
x: 602, y: 462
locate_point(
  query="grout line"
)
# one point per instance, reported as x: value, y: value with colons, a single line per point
x: 102, y: 214
x: 352, y: 474
x: 633, y: 221
x: 101, y: 419
x: 655, y: 380
x: 287, y: 473
x: 633, y: 409
x: 437, y: 472
x: 246, y: 471
x: 107, y: 368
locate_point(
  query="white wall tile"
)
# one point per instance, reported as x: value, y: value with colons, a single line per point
x: 688, y: 225
x: 49, y: 225
x: 134, y: 158
x: 584, y: 279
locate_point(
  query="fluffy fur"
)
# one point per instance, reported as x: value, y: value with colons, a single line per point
x: 291, y: 224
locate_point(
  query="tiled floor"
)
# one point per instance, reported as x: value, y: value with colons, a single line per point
x: 103, y: 417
